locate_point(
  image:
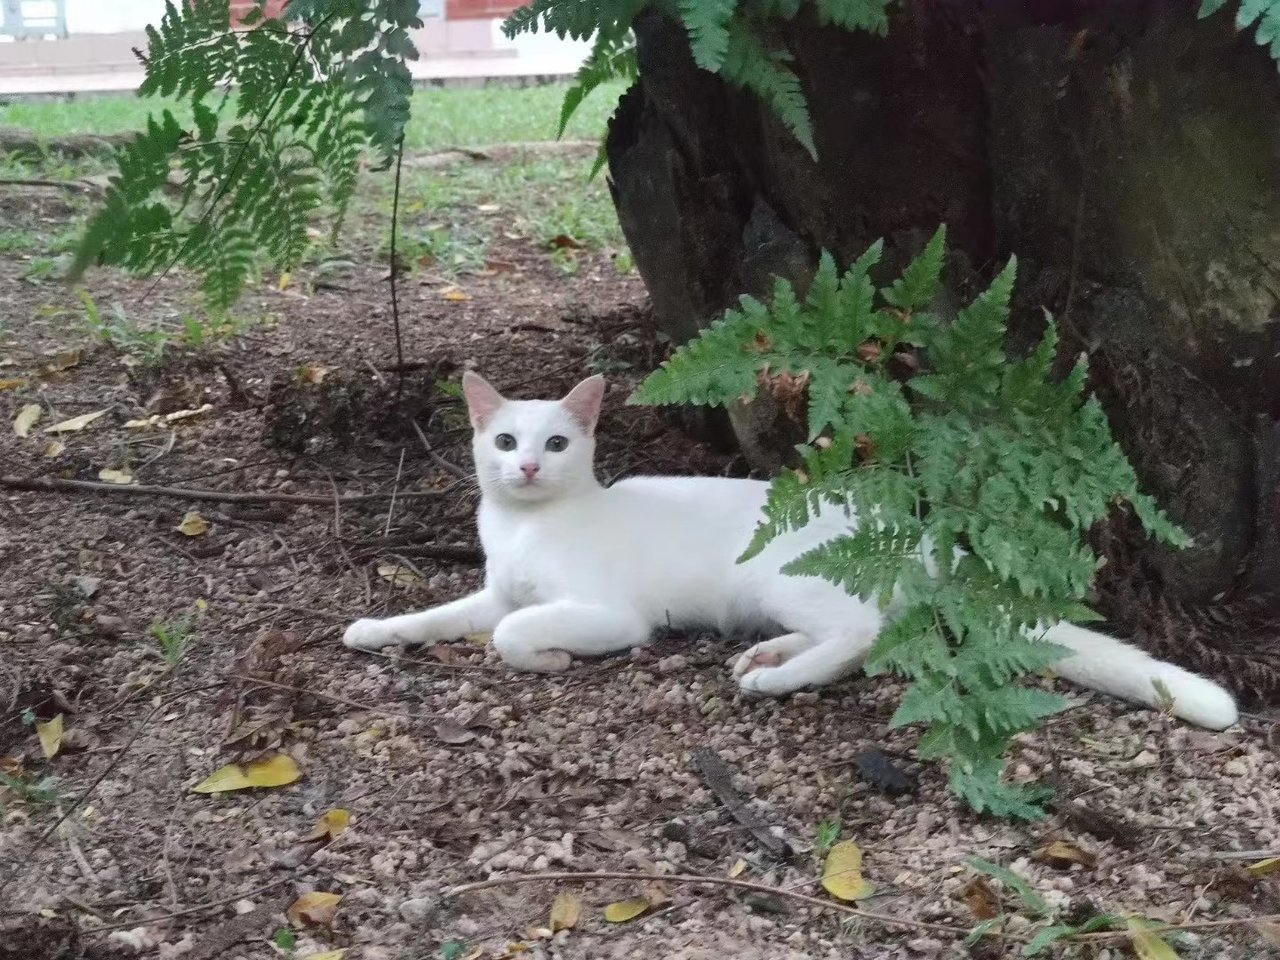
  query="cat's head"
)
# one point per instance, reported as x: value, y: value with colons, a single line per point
x: 533, y: 450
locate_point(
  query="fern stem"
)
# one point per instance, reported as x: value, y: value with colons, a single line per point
x: 395, y: 268
x: 230, y: 178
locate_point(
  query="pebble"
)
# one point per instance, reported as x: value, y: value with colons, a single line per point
x: 419, y: 911
x: 1236, y: 768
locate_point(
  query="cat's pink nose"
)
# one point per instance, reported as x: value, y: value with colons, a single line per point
x: 530, y: 470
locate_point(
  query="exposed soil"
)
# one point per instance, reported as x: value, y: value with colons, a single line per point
x: 454, y: 768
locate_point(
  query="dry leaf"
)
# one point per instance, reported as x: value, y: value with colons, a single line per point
x: 26, y: 419
x: 115, y: 476
x: 152, y: 421
x: 275, y: 771
x: 193, y: 525
x: 1264, y: 867
x: 454, y: 293
x: 332, y: 825
x: 286, y: 278
x: 565, y: 911
x: 50, y: 735
x: 1268, y: 930
x: 562, y: 241
x: 738, y: 867
x: 75, y: 423
x: 981, y: 899
x: 327, y: 955
x: 62, y: 361
x: 179, y: 415
x: 1147, y: 944
x: 54, y: 448
x: 1062, y: 855
x: 842, y: 873
x: 450, y: 731
x: 12, y: 383
x: 625, y: 910
x: 313, y: 373
x: 400, y: 576
x: 488, y: 208
x: 478, y: 639
x: 314, y: 909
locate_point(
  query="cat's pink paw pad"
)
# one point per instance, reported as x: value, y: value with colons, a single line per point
x: 755, y: 658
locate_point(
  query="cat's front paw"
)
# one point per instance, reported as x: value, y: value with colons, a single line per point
x: 767, y: 682
x: 758, y: 656
x: 367, y: 634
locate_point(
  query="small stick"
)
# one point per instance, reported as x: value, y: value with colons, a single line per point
x: 391, y: 508
x: 199, y: 908
x: 720, y: 779
x: 707, y: 881
x: 56, y: 485
x: 366, y: 707
x: 439, y: 461
x: 1241, y: 854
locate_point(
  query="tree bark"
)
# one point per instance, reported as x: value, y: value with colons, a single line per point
x: 1127, y: 153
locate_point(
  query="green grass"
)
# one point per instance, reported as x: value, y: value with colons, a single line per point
x: 442, y: 116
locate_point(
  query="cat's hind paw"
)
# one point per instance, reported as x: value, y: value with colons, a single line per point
x: 368, y: 634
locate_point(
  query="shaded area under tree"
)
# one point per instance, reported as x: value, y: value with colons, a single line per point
x: 1128, y: 154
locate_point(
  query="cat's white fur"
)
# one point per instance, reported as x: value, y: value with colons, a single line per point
x: 577, y: 569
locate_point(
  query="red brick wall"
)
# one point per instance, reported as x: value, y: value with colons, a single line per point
x: 477, y: 9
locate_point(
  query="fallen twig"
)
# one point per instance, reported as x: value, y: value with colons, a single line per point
x: 445, y: 465
x: 720, y: 779
x: 584, y: 877
x: 58, y: 485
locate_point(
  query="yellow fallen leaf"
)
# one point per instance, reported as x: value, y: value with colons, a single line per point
x: 50, y: 734
x: 1062, y: 854
x: 286, y: 278
x: 400, y: 576
x: 738, y: 867
x: 75, y: 423
x: 565, y: 911
x: 478, y: 639
x: 1264, y: 867
x: 842, y: 873
x: 193, y: 525
x: 332, y: 825
x: 54, y: 448
x: 314, y: 909
x: 1147, y: 944
x: 274, y: 771
x: 202, y: 604
x: 115, y: 476
x: 178, y: 415
x: 327, y: 955
x: 625, y: 910
x: 26, y: 419
x: 152, y: 421
x: 12, y: 383
x: 313, y: 373
x: 455, y: 294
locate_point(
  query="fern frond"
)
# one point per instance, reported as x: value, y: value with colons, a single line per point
x: 749, y: 64
x: 867, y: 563
x: 918, y: 285
x: 708, y: 24
x: 611, y: 58
x: 869, y: 15
x: 1265, y: 13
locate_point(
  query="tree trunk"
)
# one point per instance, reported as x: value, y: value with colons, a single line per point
x: 1127, y: 153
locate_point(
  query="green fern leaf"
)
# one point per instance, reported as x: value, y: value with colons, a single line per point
x: 869, y: 15
x: 918, y: 285
x: 708, y: 24
x: 749, y: 64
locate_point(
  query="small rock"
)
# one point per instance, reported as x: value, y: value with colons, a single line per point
x: 419, y: 911
x: 1236, y: 768
x: 1143, y: 760
x: 673, y: 664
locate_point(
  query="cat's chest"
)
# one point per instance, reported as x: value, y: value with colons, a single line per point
x: 529, y: 565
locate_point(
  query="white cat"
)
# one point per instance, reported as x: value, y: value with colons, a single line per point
x: 577, y: 569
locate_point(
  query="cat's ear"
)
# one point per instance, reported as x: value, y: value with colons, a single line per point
x: 482, y: 400
x: 583, y: 402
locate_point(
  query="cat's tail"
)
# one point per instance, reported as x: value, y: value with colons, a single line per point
x: 1111, y: 666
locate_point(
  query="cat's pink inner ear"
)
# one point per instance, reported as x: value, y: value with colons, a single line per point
x: 482, y: 400
x: 583, y: 402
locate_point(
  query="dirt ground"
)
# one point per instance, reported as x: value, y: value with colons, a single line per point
x: 453, y: 768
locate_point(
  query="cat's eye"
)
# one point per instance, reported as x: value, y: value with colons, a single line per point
x: 557, y: 443
x: 505, y: 442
